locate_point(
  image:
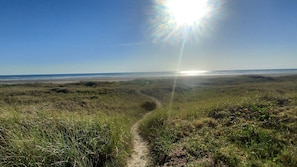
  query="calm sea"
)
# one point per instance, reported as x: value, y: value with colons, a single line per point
x: 143, y: 74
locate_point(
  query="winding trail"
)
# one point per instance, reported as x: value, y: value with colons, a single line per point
x: 140, y: 156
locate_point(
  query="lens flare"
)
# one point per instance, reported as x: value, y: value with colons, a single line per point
x: 174, y: 20
x: 180, y: 19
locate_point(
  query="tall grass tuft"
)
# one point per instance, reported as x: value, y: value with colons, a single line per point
x: 63, y: 139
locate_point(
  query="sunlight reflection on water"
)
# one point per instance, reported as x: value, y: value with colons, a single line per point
x: 193, y: 73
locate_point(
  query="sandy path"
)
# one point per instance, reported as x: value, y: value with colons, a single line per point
x: 140, y: 156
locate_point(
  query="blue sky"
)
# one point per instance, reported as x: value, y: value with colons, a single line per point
x: 78, y: 36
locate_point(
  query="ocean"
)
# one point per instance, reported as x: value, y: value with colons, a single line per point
x: 143, y: 74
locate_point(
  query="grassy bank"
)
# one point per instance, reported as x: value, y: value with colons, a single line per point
x: 78, y: 124
x: 230, y: 121
x: 234, y: 121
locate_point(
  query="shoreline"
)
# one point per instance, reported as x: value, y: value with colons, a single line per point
x: 64, y: 80
x: 131, y: 78
x: 119, y: 79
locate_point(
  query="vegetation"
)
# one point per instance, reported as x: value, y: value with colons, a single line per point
x: 227, y: 121
x: 78, y: 124
x: 231, y: 121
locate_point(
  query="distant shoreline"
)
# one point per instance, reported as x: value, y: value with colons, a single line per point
x: 115, y: 77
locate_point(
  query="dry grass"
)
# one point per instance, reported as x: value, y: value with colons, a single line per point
x: 78, y: 124
x: 234, y: 121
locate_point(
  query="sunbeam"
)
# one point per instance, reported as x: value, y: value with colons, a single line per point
x: 180, y: 19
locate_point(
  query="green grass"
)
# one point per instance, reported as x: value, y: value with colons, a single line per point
x: 62, y: 140
x: 79, y: 124
x: 235, y: 121
x: 231, y: 121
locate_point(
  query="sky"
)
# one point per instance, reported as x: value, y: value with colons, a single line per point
x: 99, y: 36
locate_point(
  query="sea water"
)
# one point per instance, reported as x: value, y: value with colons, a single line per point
x: 143, y: 74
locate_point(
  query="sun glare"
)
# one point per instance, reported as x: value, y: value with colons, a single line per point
x: 188, y: 12
x: 192, y: 73
x: 181, y: 19
x: 173, y: 20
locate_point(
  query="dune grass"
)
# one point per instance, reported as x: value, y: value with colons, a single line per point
x: 233, y: 121
x: 78, y: 124
x: 230, y: 121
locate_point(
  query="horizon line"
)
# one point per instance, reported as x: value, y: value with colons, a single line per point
x: 165, y: 71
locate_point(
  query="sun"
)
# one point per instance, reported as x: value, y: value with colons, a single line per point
x: 187, y: 12
x: 173, y: 20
